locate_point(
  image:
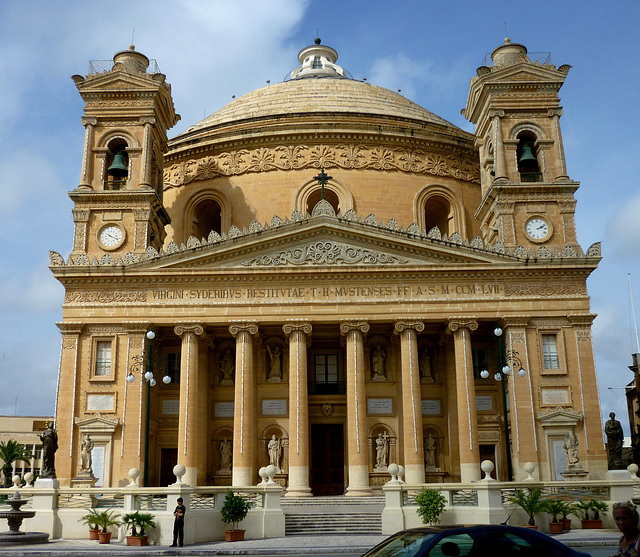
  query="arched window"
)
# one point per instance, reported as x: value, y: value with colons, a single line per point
x: 439, y: 206
x: 437, y: 213
x: 116, y: 165
x: 316, y: 195
x: 527, y: 157
x: 335, y: 193
x: 206, y: 216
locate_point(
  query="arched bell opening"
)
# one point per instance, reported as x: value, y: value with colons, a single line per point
x: 207, y: 217
x: 527, y: 156
x: 438, y: 214
x: 117, y: 165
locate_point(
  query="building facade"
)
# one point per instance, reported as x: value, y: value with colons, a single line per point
x: 315, y: 276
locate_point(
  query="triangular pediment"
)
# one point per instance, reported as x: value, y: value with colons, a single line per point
x: 117, y: 81
x: 527, y: 72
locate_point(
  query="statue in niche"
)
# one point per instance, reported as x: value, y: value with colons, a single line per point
x: 430, y: 451
x: 227, y: 368
x: 275, y: 370
x: 275, y: 450
x: 570, y: 446
x: 426, y: 376
x: 225, y: 456
x: 382, y: 451
x: 85, y: 454
x: 377, y: 364
x: 615, y: 437
x: 49, y: 447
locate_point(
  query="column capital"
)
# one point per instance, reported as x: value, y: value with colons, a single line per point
x: 243, y: 327
x: 348, y: 325
x: 147, y: 120
x: 296, y: 326
x: 182, y: 328
x: 88, y: 121
x: 496, y: 113
x: 70, y: 327
x: 462, y: 323
x: 581, y: 319
x: 515, y: 321
x: 401, y: 325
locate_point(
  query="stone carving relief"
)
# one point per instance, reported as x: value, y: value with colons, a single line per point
x: 288, y: 157
x: 100, y: 297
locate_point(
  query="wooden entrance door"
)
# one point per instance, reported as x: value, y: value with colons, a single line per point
x: 168, y: 459
x: 327, y: 459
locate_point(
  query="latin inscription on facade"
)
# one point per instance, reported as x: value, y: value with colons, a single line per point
x: 431, y: 407
x: 274, y: 407
x: 380, y: 406
x: 171, y: 407
x: 484, y: 403
x: 101, y: 402
x: 554, y: 397
x: 223, y: 410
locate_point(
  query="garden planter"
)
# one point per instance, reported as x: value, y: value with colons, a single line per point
x: 234, y: 535
x: 534, y: 527
x: 555, y: 527
x: 138, y: 540
x: 591, y: 524
x: 93, y: 534
x: 566, y: 523
x: 104, y: 537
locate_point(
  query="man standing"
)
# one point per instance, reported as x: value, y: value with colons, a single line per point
x: 178, y: 524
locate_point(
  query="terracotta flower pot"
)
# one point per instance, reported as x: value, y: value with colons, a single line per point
x: 93, y: 534
x: 534, y: 527
x: 591, y: 524
x: 566, y: 523
x: 137, y: 540
x: 104, y: 537
x: 555, y: 527
x: 234, y: 535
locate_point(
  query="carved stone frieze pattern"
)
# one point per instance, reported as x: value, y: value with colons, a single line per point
x: 70, y: 327
x: 104, y: 329
x: 349, y: 156
x: 545, y: 290
x: 55, y: 259
x: 581, y: 319
x: 583, y: 336
x: 517, y: 337
x: 548, y: 323
x: 100, y: 297
x: 80, y: 233
x: 325, y: 253
x: 69, y: 344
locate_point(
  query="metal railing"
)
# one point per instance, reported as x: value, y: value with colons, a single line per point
x: 101, y: 66
x: 542, y: 58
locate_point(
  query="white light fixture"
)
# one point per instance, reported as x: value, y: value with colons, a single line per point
x: 484, y: 374
x: 130, y: 378
x: 166, y: 379
x: 148, y: 375
x: 498, y: 377
x: 152, y: 382
x: 497, y: 331
x: 151, y: 335
x: 522, y: 372
x: 506, y: 370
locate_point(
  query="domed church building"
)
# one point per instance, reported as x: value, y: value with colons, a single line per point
x: 327, y: 278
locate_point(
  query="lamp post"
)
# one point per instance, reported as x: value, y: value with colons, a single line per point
x: 505, y: 370
x: 148, y: 361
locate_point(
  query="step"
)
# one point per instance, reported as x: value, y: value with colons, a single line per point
x: 333, y: 523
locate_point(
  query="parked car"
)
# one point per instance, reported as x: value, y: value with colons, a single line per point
x: 472, y: 541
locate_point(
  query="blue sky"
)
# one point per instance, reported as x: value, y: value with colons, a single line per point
x: 212, y: 50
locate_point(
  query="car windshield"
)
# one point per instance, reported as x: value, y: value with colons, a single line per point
x: 406, y: 544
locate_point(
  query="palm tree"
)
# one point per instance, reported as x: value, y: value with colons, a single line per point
x: 11, y: 452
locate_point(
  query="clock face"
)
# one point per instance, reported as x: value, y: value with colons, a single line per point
x: 537, y: 228
x: 111, y: 236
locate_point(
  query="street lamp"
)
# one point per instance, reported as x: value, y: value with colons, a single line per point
x: 505, y: 370
x: 149, y: 361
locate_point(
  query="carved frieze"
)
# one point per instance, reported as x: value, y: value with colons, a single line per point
x: 545, y: 290
x: 99, y: 297
x: 325, y: 253
x: 319, y: 156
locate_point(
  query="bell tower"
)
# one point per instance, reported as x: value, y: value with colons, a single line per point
x: 528, y: 198
x: 118, y: 203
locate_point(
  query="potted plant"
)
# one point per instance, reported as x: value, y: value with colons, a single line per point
x: 531, y: 502
x: 555, y: 507
x: 234, y: 509
x: 139, y: 524
x: 90, y: 520
x: 568, y: 509
x: 431, y: 504
x: 104, y: 520
x: 591, y: 506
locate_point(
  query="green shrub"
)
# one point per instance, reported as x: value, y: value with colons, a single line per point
x: 431, y: 504
x: 234, y: 509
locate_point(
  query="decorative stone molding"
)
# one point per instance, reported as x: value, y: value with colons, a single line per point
x: 295, y: 326
x: 243, y: 327
x: 70, y: 327
x: 581, y: 319
x: 349, y: 156
x: 182, y: 328
x: 101, y: 297
x: 559, y: 418
x: 325, y: 253
x: 545, y: 290
x: 349, y: 325
x: 401, y: 325
x: 462, y: 323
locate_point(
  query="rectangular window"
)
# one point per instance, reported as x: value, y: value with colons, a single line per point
x: 173, y: 366
x: 550, y: 352
x: 103, y: 358
x: 326, y: 376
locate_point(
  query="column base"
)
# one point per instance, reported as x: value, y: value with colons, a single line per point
x: 359, y: 491
x: 358, y: 481
x: 298, y: 491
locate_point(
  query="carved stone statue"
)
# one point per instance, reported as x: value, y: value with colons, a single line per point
x: 425, y: 367
x: 275, y: 357
x: 570, y: 446
x: 615, y: 437
x: 227, y: 368
x: 275, y: 450
x: 377, y: 364
x: 382, y: 451
x: 225, y: 455
x: 85, y: 454
x: 430, y: 451
x: 49, y: 447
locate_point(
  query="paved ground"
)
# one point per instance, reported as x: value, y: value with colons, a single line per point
x: 270, y: 546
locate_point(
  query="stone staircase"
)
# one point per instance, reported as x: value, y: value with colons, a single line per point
x: 332, y: 515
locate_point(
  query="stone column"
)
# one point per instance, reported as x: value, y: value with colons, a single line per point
x: 411, y: 400
x: 149, y: 122
x: 524, y: 440
x: 188, y: 421
x: 204, y: 345
x: 498, y: 146
x: 299, y: 335
x: 554, y: 114
x: 466, y: 398
x: 66, y: 395
x: 87, y: 161
x: 357, y: 448
x: 245, y: 436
